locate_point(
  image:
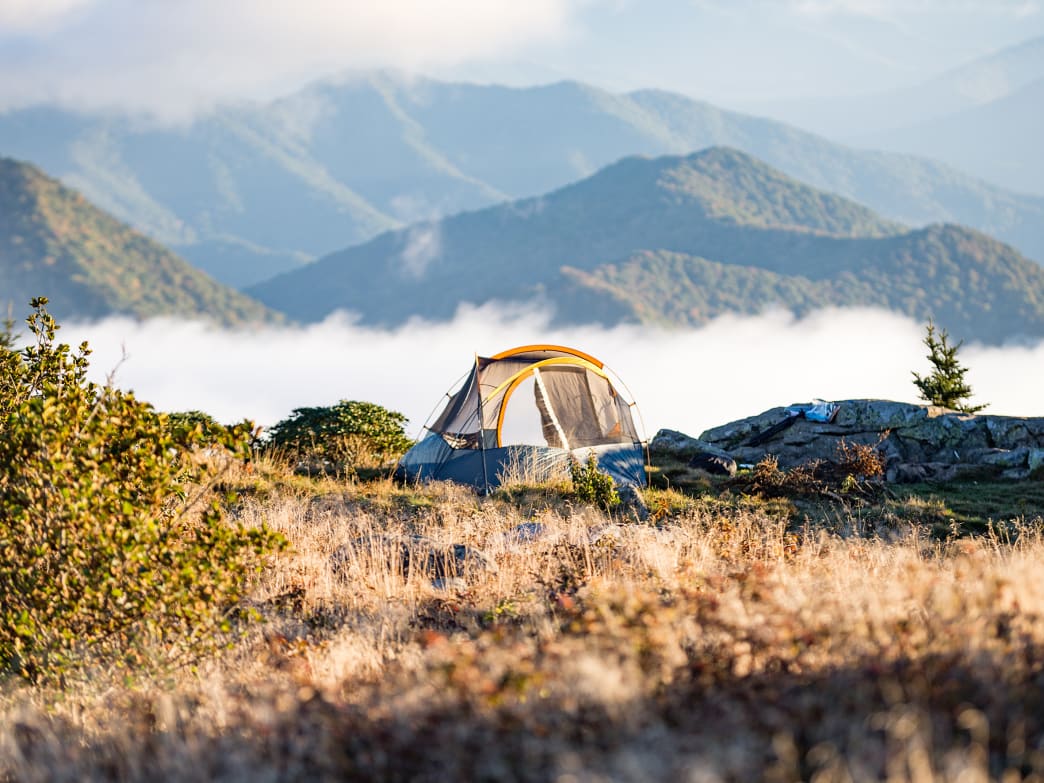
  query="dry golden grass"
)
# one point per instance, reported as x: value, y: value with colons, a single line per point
x: 712, y: 643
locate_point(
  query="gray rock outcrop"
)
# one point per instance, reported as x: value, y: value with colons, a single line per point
x: 692, y: 451
x: 917, y: 441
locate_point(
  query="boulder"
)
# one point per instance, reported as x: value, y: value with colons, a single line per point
x: 1005, y: 459
x: 403, y: 554
x: 1016, y: 474
x: 1035, y: 459
x: 455, y: 561
x: 525, y: 532
x: 450, y: 584
x: 632, y: 502
x: 521, y: 537
x: 692, y: 451
x: 914, y: 472
x: 394, y: 550
x: 607, y: 535
x: 915, y: 440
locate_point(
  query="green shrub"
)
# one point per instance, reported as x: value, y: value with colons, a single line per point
x: 182, y: 423
x: 104, y: 546
x: 590, y: 485
x: 345, y: 436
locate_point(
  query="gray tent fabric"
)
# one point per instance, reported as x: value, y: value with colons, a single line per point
x: 579, y: 410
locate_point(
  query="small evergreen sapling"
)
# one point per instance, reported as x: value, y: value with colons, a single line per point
x: 945, y: 385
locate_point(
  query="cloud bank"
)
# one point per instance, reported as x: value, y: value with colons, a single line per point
x: 687, y: 380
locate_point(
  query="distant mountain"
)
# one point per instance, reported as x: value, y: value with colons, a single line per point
x: 55, y: 243
x: 1002, y: 140
x: 989, y: 78
x: 977, y: 83
x: 250, y: 191
x: 676, y: 240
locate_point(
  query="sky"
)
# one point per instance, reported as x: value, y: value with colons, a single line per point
x: 174, y: 58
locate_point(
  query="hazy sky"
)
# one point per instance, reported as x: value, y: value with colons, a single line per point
x: 175, y: 56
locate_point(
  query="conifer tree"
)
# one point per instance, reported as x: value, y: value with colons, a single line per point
x: 945, y: 385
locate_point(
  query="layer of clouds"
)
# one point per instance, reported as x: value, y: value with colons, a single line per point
x: 688, y: 380
x: 171, y: 58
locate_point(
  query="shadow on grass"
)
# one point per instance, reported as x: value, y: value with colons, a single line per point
x: 906, y: 718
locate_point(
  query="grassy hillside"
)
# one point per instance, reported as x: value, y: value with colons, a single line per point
x: 250, y: 191
x: 676, y: 240
x: 722, y: 639
x: 54, y: 242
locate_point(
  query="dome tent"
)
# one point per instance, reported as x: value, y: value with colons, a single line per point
x: 529, y: 410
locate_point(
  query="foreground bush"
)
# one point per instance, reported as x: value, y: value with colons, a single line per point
x: 102, y: 548
x: 345, y: 436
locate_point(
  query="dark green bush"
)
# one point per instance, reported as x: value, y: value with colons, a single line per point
x: 104, y: 546
x: 590, y: 485
x: 344, y: 437
x: 182, y: 423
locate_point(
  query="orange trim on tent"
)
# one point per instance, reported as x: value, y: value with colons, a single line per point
x: 559, y: 348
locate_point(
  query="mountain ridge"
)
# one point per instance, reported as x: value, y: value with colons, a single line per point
x: 251, y: 191
x: 722, y: 208
x: 55, y: 243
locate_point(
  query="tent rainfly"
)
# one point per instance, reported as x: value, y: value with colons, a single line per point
x: 526, y: 413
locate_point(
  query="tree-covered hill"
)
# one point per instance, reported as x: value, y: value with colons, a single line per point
x: 959, y: 277
x: 54, y: 242
x: 676, y: 240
